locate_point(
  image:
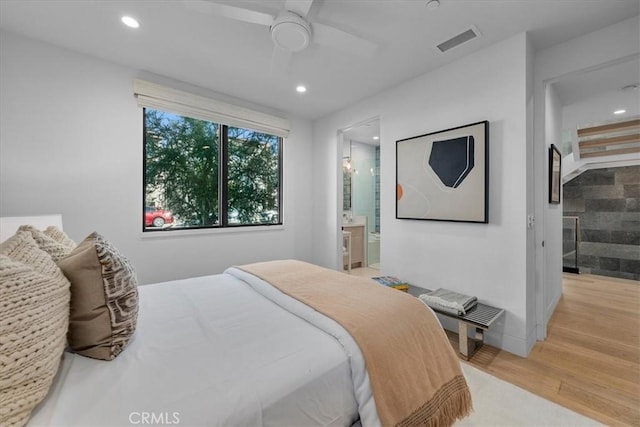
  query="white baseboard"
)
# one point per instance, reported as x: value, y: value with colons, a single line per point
x: 552, y: 306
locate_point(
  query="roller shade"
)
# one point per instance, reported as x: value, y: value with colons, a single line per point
x: 152, y: 95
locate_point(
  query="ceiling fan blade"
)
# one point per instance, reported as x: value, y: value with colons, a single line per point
x: 233, y: 12
x: 300, y: 7
x: 280, y: 60
x: 332, y: 37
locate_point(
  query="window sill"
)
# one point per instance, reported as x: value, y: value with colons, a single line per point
x: 171, y: 234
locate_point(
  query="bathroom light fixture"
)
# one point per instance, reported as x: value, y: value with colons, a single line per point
x: 375, y: 138
x: 130, y: 22
x: 632, y: 86
x: 621, y: 111
x: 301, y: 89
x: 433, y: 4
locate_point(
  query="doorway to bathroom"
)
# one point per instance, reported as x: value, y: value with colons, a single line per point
x: 361, y: 197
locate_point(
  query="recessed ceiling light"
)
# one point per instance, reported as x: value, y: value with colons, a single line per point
x: 375, y: 138
x: 301, y: 89
x: 130, y: 22
x: 621, y: 111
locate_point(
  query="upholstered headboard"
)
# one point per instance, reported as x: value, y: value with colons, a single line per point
x: 9, y: 224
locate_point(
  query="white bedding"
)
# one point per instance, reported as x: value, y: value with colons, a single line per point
x: 215, y: 351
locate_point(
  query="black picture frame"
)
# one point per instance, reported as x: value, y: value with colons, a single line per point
x: 444, y: 175
x: 555, y: 175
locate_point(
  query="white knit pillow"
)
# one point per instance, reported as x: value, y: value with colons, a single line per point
x: 22, y: 247
x: 34, y: 317
x: 60, y: 236
x: 49, y: 244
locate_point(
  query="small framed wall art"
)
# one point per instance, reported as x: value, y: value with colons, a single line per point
x: 555, y: 170
x: 444, y: 175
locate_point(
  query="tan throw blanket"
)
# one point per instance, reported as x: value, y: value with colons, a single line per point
x: 414, y: 372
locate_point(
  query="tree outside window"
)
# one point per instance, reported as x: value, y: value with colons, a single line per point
x: 201, y: 174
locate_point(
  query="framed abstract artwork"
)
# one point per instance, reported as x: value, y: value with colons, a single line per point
x: 555, y: 168
x: 444, y: 175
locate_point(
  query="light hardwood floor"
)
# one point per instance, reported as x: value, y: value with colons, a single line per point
x: 365, y: 272
x: 590, y: 361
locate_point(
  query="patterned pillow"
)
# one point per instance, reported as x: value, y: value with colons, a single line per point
x: 54, y: 248
x: 104, y: 298
x: 34, y: 315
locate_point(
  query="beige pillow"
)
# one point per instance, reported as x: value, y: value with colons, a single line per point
x: 104, y: 298
x: 54, y: 248
x: 34, y: 315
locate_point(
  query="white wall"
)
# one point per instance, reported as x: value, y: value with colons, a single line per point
x: 484, y: 260
x: 71, y: 143
x: 553, y: 213
x: 608, y: 45
x: 531, y: 203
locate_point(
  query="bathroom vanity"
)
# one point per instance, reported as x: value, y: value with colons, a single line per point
x: 358, y: 242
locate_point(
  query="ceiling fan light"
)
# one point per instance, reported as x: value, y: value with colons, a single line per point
x: 290, y: 32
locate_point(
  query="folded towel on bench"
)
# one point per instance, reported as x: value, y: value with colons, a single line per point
x: 449, y: 301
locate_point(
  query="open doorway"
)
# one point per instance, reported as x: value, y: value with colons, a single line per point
x: 361, y: 198
x: 594, y: 172
x: 598, y: 135
x: 555, y: 90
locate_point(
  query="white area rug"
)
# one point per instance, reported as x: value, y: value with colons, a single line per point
x: 498, y: 403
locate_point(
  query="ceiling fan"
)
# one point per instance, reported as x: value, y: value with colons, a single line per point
x: 290, y: 29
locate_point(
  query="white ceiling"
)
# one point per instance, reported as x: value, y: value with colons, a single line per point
x: 233, y: 57
x: 364, y: 132
x: 586, y: 85
x: 591, y: 97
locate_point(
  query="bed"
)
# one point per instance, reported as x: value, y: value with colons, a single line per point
x: 249, y: 347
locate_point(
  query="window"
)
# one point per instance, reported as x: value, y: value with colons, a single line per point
x: 208, y: 163
x: 199, y: 174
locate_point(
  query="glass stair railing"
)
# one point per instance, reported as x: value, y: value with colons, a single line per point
x: 570, y: 244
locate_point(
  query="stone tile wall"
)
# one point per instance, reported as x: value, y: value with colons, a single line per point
x: 606, y: 201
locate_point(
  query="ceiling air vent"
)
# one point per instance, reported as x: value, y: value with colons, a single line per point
x: 454, y: 41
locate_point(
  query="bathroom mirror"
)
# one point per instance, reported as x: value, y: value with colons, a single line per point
x: 346, y: 178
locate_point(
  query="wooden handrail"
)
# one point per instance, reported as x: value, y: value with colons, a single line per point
x: 616, y: 140
x: 611, y: 127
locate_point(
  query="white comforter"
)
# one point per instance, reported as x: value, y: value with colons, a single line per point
x: 225, y: 350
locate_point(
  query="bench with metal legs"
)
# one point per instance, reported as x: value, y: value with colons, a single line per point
x: 478, y: 319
